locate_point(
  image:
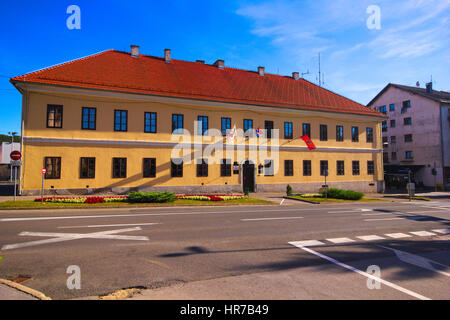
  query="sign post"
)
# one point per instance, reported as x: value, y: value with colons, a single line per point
x: 15, y: 162
x: 44, y: 171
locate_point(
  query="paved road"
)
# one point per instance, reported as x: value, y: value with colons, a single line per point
x: 287, y: 252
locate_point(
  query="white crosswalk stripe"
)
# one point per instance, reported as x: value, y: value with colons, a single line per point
x: 397, y: 235
x: 423, y: 233
x: 370, y: 238
x: 340, y: 240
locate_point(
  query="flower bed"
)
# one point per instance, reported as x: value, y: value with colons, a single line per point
x: 83, y: 199
x: 210, y: 197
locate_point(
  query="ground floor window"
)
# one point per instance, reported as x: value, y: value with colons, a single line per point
x: 53, y: 167
x: 268, y: 168
x: 324, y: 168
x: 87, y: 168
x: 225, y: 168
x: 119, y: 167
x: 340, y: 169
x: 202, y: 168
x: 370, y: 168
x: 177, y: 168
x: 306, y: 167
x: 288, y: 168
x: 355, y: 168
x: 149, y: 167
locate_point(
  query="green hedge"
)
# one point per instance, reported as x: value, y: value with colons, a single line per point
x: 151, y: 197
x: 336, y: 193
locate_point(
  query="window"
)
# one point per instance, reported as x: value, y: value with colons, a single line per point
x: 324, y: 168
x: 340, y: 168
x: 248, y: 126
x: 288, y: 130
x: 392, y: 123
x: 355, y: 168
x: 226, y: 125
x: 384, y: 126
x: 149, y: 167
x: 306, y: 167
x: 369, y: 135
x: 88, y: 118
x: 177, y: 123
x: 225, y: 168
x: 385, y: 140
x: 150, y: 122
x: 355, y: 134
x: 268, y: 125
x: 408, y: 138
x: 392, y: 107
x: 202, y: 168
x: 408, y: 155
x: 385, y: 157
x: 235, y: 168
x: 394, y: 155
x: 87, y: 168
x: 323, y: 132
x: 202, y: 125
x: 407, y: 121
x: 119, y: 167
x: 176, y: 168
x: 120, y: 120
x: 289, y: 168
x: 53, y: 167
x: 339, y: 133
x: 383, y: 109
x: 393, y: 139
x: 370, y: 168
x: 306, y: 129
x: 406, y: 105
x: 54, y: 116
x: 268, y: 168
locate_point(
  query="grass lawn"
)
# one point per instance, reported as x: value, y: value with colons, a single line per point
x: 30, y: 204
x: 330, y: 200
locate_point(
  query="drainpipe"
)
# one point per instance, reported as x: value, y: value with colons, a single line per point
x: 441, y: 110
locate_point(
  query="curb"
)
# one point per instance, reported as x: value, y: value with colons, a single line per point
x: 302, y: 200
x: 32, y: 292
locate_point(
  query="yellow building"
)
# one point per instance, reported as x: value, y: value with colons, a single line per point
x: 115, y: 120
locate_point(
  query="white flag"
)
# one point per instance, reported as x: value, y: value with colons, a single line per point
x: 232, y: 133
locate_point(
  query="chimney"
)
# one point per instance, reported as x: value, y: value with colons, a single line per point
x: 134, y: 51
x: 200, y: 61
x: 429, y: 87
x: 220, y: 64
x: 295, y: 75
x: 261, y: 71
x: 167, y: 55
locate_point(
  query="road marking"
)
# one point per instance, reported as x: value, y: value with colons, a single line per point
x: 370, y: 238
x: 263, y: 219
x: 443, y: 231
x: 282, y: 201
x: 365, y: 210
x: 385, y: 219
x: 307, y: 243
x: 350, y: 211
x: 340, y: 240
x: 376, y: 214
x: 418, y: 261
x: 425, y: 211
x: 110, y: 225
x: 60, y: 237
x: 398, y: 235
x: 346, y: 266
x: 423, y: 233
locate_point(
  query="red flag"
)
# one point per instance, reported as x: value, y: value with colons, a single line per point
x: 308, y: 142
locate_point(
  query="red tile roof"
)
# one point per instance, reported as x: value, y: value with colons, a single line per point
x: 119, y: 71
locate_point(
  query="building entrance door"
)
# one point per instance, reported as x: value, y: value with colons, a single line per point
x: 248, y: 176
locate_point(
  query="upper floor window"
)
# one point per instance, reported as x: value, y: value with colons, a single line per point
x: 202, y: 125
x: 408, y: 155
x: 226, y: 125
x: 120, y: 120
x: 407, y: 121
x: 383, y: 109
x: 392, y: 123
x: 355, y: 134
x: 268, y: 126
x: 149, y: 167
x: 392, y: 107
x: 393, y: 139
x: 408, y: 138
x: 177, y: 123
x: 248, y: 126
x: 53, y: 167
x: 306, y: 129
x: 385, y: 157
x: 339, y: 133
x: 150, y: 122
x: 54, y: 116
x: 288, y: 130
x: 88, y: 118
x: 394, y: 155
x: 406, y: 105
x: 87, y: 168
x: 384, y: 126
x: 369, y: 134
x: 323, y: 132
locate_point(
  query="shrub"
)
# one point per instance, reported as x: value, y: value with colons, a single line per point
x: 288, y: 190
x: 246, y: 192
x: 336, y: 193
x: 151, y: 197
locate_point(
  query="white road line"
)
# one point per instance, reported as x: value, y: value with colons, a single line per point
x: 370, y: 238
x: 263, y: 219
x: 110, y: 225
x: 307, y: 243
x: 376, y: 214
x: 423, y: 233
x: 398, y: 235
x: 425, y: 212
x: 346, y: 266
x: 350, y: 211
x: 443, y: 231
x: 385, y: 219
x: 340, y: 240
x: 282, y: 202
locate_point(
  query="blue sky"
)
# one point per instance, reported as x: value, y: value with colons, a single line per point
x: 412, y: 44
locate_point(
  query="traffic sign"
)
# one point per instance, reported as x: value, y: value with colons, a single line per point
x: 16, y: 163
x: 15, y: 155
x: 44, y: 171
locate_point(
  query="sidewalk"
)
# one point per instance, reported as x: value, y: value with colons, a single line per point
x: 8, y: 293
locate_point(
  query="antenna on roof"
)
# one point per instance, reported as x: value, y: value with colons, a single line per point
x: 305, y: 73
x: 320, y: 78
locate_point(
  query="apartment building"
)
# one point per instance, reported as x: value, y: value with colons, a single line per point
x: 117, y: 121
x: 416, y: 136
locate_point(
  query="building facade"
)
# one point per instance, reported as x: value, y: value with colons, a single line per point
x: 119, y: 121
x: 416, y: 136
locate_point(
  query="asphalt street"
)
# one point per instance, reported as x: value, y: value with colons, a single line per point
x: 289, y: 251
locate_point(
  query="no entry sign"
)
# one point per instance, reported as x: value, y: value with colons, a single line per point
x: 15, y: 155
x: 44, y: 171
